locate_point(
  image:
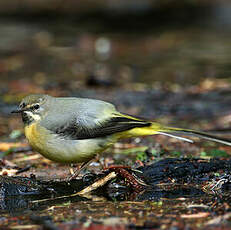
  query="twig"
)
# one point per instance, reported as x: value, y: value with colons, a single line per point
x: 97, y: 184
x: 86, y: 190
x: 23, y: 169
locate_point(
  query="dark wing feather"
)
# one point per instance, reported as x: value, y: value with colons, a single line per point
x: 113, y: 125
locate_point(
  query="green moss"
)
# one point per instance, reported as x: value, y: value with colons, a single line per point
x: 214, y: 153
x: 142, y: 156
x: 176, y: 153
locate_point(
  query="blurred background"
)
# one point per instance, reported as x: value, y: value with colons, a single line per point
x: 167, y: 60
x: 162, y: 59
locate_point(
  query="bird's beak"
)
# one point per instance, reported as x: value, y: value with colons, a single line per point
x: 18, y: 111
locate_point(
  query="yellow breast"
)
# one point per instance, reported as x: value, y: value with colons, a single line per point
x: 35, y: 136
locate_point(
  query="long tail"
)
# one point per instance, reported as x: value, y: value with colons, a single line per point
x: 174, y: 132
x: 137, y: 127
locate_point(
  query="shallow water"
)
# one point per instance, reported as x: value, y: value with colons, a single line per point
x: 81, y: 212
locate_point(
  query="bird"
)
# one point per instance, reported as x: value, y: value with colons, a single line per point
x: 76, y: 130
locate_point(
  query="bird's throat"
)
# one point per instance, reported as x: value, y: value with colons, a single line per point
x: 28, y: 117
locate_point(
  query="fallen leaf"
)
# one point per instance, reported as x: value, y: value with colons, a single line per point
x: 4, y: 146
x: 28, y: 158
x: 196, y: 215
x: 219, y: 219
x: 8, y: 172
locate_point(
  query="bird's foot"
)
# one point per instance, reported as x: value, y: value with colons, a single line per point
x: 78, y: 171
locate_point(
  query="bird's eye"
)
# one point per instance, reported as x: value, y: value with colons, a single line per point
x: 36, y: 106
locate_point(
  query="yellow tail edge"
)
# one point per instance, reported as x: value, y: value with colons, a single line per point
x: 157, y: 128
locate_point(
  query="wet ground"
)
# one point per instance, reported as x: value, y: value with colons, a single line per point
x: 178, y: 75
x: 186, y: 200
x: 178, y: 193
x: 178, y: 213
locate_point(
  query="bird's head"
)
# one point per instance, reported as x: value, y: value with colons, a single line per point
x: 33, y: 107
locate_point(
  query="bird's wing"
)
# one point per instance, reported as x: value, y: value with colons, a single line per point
x: 89, y: 127
x: 86, y: 118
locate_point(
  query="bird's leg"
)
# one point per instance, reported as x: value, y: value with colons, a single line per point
x: 82, y: 166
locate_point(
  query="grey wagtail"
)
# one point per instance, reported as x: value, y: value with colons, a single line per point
x: 74, y: 130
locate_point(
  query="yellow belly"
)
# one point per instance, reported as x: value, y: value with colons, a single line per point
x: 64, y: 150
